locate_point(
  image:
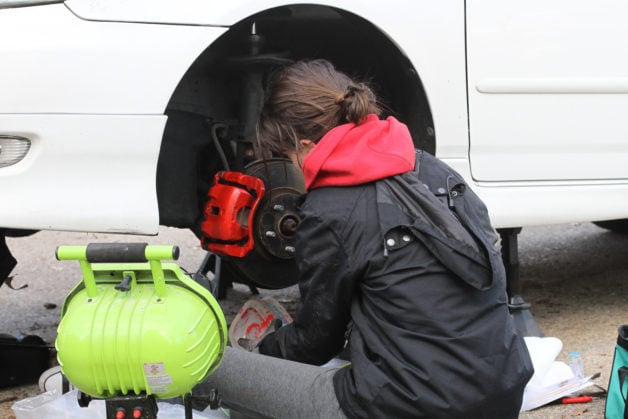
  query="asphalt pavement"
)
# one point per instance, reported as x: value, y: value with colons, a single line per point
x: 575, y: 276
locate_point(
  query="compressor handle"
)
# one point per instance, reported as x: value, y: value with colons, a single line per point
x: 117, y: 252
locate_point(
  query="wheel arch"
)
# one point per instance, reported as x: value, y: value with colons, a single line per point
x: 215, y: 88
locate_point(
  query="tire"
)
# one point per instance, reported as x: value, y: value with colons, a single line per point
x: 618, y: 226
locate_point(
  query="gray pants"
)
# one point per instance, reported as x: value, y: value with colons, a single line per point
x: 274, y: 388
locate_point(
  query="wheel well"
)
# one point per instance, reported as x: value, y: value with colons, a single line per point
x: 215, y: 105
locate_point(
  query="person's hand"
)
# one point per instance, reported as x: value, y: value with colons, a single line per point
x: 252, y: 345
x: 248, y: 344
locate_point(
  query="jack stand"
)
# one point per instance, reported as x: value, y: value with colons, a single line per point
x: 520, y: 310
x: 218, y: 286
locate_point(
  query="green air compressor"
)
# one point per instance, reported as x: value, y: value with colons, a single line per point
x: 135, y: 329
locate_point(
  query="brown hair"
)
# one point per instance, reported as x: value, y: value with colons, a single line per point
x: 307, y: 99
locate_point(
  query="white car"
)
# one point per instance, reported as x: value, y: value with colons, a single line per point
x: 116, y: 114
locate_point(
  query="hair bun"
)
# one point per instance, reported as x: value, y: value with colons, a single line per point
x: 357, y: 102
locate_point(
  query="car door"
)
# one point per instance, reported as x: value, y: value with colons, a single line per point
x: 548, y: 90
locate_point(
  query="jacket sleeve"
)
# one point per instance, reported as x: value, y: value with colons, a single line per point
x: 326, y: 285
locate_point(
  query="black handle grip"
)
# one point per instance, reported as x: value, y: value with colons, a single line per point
x: 116, y: 252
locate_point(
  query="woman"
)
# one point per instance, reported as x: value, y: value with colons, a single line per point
x: 397, y: 259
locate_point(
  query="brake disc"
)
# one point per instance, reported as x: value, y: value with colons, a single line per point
x: 271, y: 263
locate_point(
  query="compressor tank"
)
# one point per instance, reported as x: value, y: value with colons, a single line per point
x: 137, y: 328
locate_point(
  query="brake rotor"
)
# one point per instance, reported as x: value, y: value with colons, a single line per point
x: 271, y: 263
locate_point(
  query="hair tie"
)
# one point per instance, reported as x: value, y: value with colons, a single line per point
x: 349, y: 91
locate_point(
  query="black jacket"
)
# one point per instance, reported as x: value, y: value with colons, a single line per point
x: 411, y: 263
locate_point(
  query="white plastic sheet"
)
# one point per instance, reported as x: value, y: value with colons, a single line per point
x: 50, y: 405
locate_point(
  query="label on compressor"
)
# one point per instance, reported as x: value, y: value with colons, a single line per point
x: 156, y: 377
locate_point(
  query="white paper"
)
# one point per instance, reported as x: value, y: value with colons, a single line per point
x: 552, y: 379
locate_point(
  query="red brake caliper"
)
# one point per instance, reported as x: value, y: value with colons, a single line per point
x: 228, y: 222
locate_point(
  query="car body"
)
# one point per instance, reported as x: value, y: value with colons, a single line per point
x: 122, y: 101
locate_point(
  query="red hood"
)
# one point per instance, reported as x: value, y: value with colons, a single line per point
x: 353, y: 154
